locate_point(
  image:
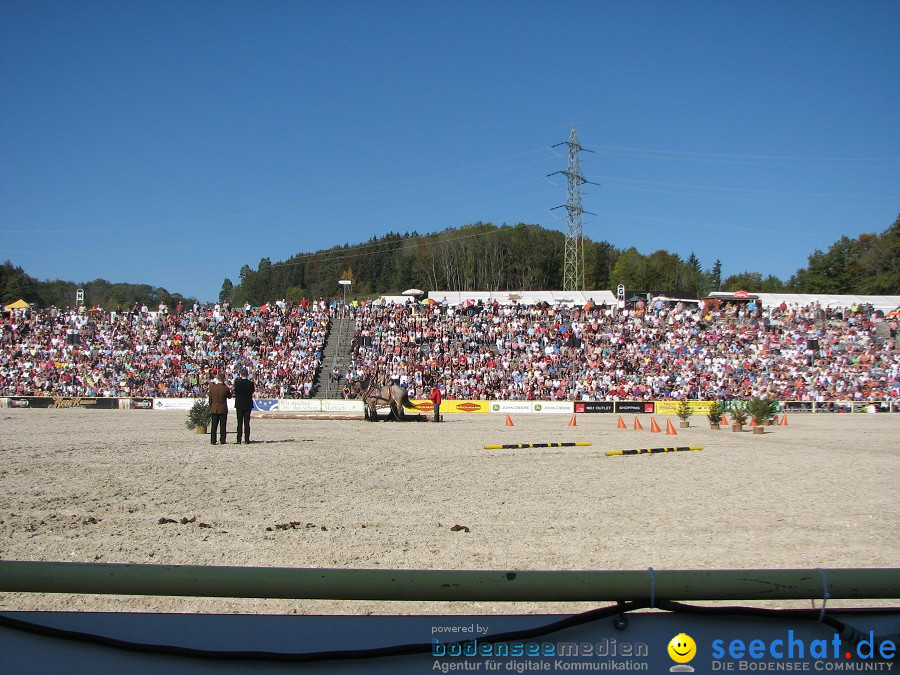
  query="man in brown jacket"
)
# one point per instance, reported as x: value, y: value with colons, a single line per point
x: 219, y: 394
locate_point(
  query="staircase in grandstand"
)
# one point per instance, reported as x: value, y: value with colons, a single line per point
x: 335, y: 356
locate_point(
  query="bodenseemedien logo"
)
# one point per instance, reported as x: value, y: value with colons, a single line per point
x: 682, y: 649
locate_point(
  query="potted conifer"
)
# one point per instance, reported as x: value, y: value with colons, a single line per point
x: 198, y: 416
x: 762, y: 410
x: 715, y: 415
x: 738, y: 415
x: 684, y: 411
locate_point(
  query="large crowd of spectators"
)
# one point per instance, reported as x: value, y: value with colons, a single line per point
x: 668, y: 350
x: 673, y: 350
x: 161, y: 353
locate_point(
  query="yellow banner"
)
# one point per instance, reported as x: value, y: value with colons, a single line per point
x: 671, y: 407
x: 454, y: 406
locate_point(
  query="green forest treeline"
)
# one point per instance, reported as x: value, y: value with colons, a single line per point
x: 485, y: 257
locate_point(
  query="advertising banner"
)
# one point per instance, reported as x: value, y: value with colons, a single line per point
x: 455, y: 406
x: 180, y: 403
x: 21, y: 402
x: 84, y: 402
x: 265, y: 404
x: 299, y: 405
x: 511, y: 407
x: 593, y: 406
x: 137, y: 403
x: 425, y: 405
x: 557, y: 407
x: 62, y: 402
x: 102, y: 403
x: 637, y: 407
x: 671, y: 407
x: 342, y: 405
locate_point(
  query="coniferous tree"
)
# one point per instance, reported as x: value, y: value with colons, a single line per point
x: 715, y: 275
x: 227, y: 291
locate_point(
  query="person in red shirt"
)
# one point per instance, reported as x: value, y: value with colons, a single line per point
x: 436, y: 400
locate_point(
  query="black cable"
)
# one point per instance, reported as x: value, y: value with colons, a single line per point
x: 307, y: 657
x: 847, y: 633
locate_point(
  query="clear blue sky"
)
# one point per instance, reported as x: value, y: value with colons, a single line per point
x: 169, y: 143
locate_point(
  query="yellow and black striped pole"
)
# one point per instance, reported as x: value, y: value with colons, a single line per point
x: 517, y: 446
x: 651, y: 451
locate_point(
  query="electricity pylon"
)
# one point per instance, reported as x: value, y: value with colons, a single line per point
x: 573, y: 267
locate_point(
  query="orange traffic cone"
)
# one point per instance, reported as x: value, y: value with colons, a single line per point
x: 621, y: 424
x: 637, y: 424
x: 670, y: 430
x: 572, y: 422
x: 783, y: 421
x: 724, y: 421
x: 509, y: 420
x: 654, y: 427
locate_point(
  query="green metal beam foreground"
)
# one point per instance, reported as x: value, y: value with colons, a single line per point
x: 446, y: 585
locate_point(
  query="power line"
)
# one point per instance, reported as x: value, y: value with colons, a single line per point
x: 730, y: 189
x: 711, y: 155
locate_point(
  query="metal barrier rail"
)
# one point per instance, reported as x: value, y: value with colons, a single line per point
x: 447, y: 585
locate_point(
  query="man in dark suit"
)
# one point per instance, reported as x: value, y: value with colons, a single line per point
x: 219, y: 394
x: 243, y: 404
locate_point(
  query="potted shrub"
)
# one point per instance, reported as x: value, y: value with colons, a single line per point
x: 738, y: 415
x: 198, y: 416
x: 714, y: 415
x: 762, y: 410
x: 684, y: 413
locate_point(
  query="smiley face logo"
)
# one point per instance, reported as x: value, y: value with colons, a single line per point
x: 682, y: 648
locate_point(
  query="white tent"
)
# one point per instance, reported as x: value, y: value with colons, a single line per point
x: 525, y: 297
x: 883, y: 302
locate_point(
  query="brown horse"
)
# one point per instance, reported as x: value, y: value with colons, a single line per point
x: 375, y: 396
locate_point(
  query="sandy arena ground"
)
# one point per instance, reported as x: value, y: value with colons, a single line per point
x: 821, y: 492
